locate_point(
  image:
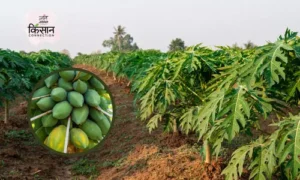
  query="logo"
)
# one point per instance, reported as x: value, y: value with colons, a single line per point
x: 41, y: 29
x: 43, y: 19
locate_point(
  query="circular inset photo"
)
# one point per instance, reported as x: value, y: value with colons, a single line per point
x: 71, y: 111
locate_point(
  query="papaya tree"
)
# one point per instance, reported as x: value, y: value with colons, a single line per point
x: 219, y: 94
x: 13, y: 77
x: 20, y: 72
x: 280, y: 151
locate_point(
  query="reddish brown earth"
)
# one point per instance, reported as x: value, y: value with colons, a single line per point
x: 129, y: 152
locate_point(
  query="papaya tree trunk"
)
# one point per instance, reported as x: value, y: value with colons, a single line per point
x: 207, y: 152
x: 175, y: 130
x: 6, y: 111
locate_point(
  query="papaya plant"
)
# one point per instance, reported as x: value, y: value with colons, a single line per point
x: 13, y: 78
x: 219, y: 94
x: 20, y: 71
x: 281, y: 150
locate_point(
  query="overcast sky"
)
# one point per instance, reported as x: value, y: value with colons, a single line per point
x: 84, y: 24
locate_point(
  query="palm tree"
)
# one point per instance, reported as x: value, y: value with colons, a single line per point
x: 121, y: 41
x: 119, y: 33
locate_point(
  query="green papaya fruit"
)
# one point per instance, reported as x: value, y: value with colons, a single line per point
x: 92, y: 130
x: 96, y: 83
x: 83, y: 75
x: 79, y: 115
x: 62, y: 110
x: 45, y: 103
x: 65, y: 84
x: 101, y: 120
x: 92, y: 98
x: 75, y: 99
x: 58, y: 94
x: 41, y: 134
x: 67, y: 75
x: 39, y: 92
x: 103, y: 103
x: 49, y: 121
x: 51, y: 80
x: 80, y: 86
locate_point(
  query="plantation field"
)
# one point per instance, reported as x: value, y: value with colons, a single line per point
x: 221, y: 96
x: 129, y: 153
x: 194, y: 113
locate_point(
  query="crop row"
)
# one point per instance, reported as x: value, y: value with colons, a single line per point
x: 220, y: 94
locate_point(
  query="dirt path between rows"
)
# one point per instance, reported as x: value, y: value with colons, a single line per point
x: 128, y: 153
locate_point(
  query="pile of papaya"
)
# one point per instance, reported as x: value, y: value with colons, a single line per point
x: 71, y: 111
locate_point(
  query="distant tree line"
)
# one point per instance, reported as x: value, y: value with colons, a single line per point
x: 123, y: 42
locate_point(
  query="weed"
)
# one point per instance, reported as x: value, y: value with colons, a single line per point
x: 107, y: 164
x: 18, y: 134
x: 13, y: 172
x: 37, y: 177
x: 116, y: 163
x: 119, y: 162
x: 30, y: 143
x: 85, y: 167
x: 2, y: 163
x: 140, y: 164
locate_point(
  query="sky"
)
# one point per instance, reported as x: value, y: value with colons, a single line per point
x: 84, y: 24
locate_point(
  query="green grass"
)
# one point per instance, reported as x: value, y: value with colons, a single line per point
x: 19, y: 134
x: 85, y: 167
x: 116, y: 163
x: 107, y: 164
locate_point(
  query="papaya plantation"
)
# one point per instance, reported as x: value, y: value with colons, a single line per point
x: 247, y: 99
x: 219, y: 95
